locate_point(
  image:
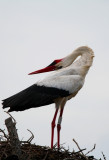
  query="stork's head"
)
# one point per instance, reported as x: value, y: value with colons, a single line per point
x: 66, y: 61
x: 55, y: 65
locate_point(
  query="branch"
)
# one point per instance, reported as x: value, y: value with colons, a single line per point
x: 4, y: 133
x: 77, y: 146
x: 32, y: 136
x: 55, y: 145
x: 46, y: 156
x: 91, y: 149
x: 11, y: 116
x: 103, y: 156
x: 13, y: 136
x: 80, y: 149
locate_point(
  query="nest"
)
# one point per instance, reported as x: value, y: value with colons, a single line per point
x: 11, y: 148
x: 34, y: 152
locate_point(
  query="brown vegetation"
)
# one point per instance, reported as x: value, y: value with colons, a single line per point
x: 11, y: 148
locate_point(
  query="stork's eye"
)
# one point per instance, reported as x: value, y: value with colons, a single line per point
x: 59, y: 67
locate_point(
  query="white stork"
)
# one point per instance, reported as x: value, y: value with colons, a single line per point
x: 57, y: 88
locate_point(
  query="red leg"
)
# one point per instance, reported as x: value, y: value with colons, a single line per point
x: 60, y: 120
x: 53, y: 126
x: 59, y: 127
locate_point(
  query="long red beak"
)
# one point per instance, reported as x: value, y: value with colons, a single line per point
x: 49, y: 68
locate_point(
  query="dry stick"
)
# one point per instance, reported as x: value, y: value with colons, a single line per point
x: 4, y: 134
x: 29, y: 150
x: 55, y: 145
x: 103, y: 156
x: 13, y: 137
x: 80, y: 149
x: 46, y: 156
x: 4, y: 151
x: 11, y: 117
x: 91, y: 149
x: 31, y: 138
x: 78, y: 146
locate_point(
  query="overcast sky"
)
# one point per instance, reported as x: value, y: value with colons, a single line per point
x: 35, y: 32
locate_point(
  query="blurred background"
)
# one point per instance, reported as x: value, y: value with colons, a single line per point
x: 32, y: 34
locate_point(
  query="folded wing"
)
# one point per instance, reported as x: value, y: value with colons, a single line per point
x: 34, y: 96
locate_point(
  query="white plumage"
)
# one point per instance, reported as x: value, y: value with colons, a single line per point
x: 70, y: 83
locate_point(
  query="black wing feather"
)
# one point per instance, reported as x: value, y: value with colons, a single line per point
x: 33, y: 96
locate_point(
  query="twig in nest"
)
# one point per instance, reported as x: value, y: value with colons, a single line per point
x: 91, y: 149
x: 61, y: 146
x: 103, y: 156
x: 11, y: 116
x: 46, y: 156
x: 55, y: 145
x: 63, y: 143
x: 80, y: 149
x: 32, y: 136
x: 4, y: 133
x: 78, y: 146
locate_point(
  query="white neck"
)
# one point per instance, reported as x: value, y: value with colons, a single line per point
x: 81, y: 65
x: 85, y: 60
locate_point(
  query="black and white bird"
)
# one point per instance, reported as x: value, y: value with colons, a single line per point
x: 58, y: 87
